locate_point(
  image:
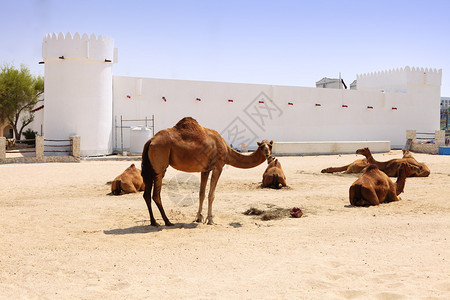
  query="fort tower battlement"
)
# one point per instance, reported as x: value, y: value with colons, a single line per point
x: 399, y: 80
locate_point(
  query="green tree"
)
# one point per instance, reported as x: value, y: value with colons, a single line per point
x: 19, y: 93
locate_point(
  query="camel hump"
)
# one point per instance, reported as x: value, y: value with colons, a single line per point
x: 371, y: 167
x: 189, y: 129
x: 187, y: 123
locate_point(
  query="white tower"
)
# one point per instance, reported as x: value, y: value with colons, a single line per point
x: 78, y: 90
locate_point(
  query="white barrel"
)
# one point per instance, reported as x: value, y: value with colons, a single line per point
x: 78, y: 90
x: 138, y: 137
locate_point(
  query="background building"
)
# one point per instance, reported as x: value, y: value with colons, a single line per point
x: 83, y: 98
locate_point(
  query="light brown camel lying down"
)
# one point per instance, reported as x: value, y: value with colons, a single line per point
x: 375, y: 187
x: 273, y: 176
x: 130, y: 181
x: 355, y: 167
x: 391, y: 167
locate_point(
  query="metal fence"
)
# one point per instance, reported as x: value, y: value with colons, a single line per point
x: 21, y: 146
x: 57, y: 148
x: 128, y: 123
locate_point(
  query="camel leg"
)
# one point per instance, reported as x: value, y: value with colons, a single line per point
x: 391, y: 197
x: 335, y: 169
x: 203, y: 182
x: 157, y: 198
x: 353, y: 169
x: 148, y: 201
x: 212, y: 192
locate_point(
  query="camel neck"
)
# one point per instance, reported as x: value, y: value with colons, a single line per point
x: 372, y: 161
x: 242, y: 161
x: 401, y: 179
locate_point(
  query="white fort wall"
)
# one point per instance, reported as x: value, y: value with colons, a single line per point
x: 282, y: 113
x: 78, y: 90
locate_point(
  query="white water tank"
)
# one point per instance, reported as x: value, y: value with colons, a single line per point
x: 78, y: 90
x: 139, y: 135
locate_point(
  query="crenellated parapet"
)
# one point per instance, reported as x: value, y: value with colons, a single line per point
x: 97, y: 48
x: 399, y: 80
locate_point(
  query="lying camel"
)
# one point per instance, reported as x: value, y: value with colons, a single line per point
x: 130, y: 181
x: 424, y: 170
x: 391, y: 167
x: 355, y: 167
x: 375, y: 187
x: 190, y: 147
x: 273, y: 176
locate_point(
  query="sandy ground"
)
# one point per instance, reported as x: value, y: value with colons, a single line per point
x: 64, y: 236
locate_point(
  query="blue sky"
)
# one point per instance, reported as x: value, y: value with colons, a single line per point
x: 270, y: 42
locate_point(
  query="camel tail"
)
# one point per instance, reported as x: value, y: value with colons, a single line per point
x: 275, y: 182
x: 116, y: 187
x: 147, y: 171
x: 355, y: 194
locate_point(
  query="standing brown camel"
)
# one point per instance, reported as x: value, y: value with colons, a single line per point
x: 190, y: 147
x: 274, y: 176
x: 375, y: 187
x: 391, y: 167
x: 130, y: 181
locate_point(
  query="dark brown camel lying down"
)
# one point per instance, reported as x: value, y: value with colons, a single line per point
x: 375, y: 187
x: 130, y: 181
x: 273, y: 176
x: 391, y: 167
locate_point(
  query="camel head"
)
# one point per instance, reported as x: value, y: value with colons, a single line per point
x: 266, y: 147
x: 420, y: 170
x: 424, y: 171
x: 364, y: 151
x: 270, y: 159
x: 410, y: 169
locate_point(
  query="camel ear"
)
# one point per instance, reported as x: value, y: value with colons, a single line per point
x: 132, y: 165
x: 271, y: 142
x: 258, y: 143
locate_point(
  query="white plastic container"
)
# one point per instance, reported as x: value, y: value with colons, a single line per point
x: 139, y: 135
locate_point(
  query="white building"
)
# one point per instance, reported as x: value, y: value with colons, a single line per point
x: 83, y: 98
x: 331, y: 83
x: 445, y: 102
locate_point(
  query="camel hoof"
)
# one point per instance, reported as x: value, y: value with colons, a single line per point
x: 169, y: 224
x: 156, y: 224
x: 210, y: 222
x: 199, y: 219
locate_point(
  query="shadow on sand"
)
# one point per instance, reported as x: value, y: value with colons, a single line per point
x: 149, y: 228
